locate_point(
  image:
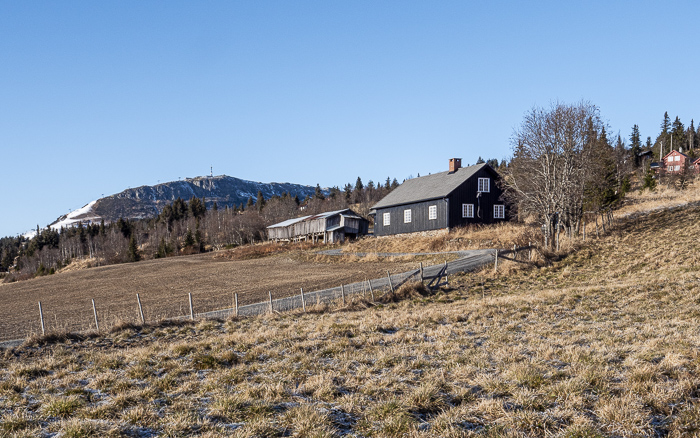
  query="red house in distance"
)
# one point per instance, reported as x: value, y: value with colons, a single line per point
x: 674, y: 162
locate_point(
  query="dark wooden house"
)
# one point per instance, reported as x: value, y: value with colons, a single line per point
x: 460, y: 196
x: 330, y: 227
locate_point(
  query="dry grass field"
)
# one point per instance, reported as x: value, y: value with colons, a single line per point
x: 604, y: 342
x: 163, y: 286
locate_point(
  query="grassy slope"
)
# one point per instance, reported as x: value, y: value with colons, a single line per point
x: 603, y: 343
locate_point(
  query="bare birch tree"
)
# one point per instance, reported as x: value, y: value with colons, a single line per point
x: 551, y: 164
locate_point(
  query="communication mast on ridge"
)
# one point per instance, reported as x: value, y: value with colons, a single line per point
x: 212, y: 172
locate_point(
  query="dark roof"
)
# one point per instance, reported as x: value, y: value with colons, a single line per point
x: 425, y: 188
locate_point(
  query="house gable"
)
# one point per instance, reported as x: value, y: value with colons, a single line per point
x: 439, y: 201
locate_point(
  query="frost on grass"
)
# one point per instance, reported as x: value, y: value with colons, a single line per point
x: 601, y: 343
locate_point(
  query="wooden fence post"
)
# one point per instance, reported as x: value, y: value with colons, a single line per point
x: 235, y: 299
x: 529, y: 245
x: 94, y: 310
x: 421, y: 272
x: 515, y: 251
x: 391, y: 286
x: 41, y: 318
x: 371, y: 291
x: 342, y: 292
x: 495, y: 262
x: 189, y: 294
x: 138, y: 299
x: 270, y: 294
x: 447, y: 281
x: 303, y: 301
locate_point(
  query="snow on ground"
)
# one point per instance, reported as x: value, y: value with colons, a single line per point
x: 72, y: 218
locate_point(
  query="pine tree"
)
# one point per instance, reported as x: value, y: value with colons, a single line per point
x: 480, y: 160
x: 249, y: 204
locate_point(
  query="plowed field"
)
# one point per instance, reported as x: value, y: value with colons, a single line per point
x: 163, y: 286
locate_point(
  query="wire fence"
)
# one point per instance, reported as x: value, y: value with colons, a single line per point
x: 197, y: 304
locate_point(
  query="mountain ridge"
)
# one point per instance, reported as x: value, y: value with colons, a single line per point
x: 147, y: 201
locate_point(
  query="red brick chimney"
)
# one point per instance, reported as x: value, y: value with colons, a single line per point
x: 455, y: 164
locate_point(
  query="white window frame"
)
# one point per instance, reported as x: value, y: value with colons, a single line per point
x: 677, y: 168
x: 468, y: 210
x: 677, y: 158
x: 484, y: 185
x: 669, y: 168
x: 432, y: 212
x: 499, y: 211
x: 407, y: 216
x: 386, y: 219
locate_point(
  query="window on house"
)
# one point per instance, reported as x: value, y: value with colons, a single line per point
x: 499, y: 212
x: 484, y: 185
x: 677, y: 168
x: 387, y: 219
x: 669, y: 168
x: 407, y: 216
x: 467, y: 210
x: 432, y: 212
x: 677, y: 158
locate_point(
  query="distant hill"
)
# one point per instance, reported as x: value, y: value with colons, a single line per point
x: 148, y: 201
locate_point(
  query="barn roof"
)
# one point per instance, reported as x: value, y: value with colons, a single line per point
x: 425, y: 188
x: 346, y: 213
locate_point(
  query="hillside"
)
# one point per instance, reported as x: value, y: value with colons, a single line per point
x: 601, y: 343
x: 148, y: 201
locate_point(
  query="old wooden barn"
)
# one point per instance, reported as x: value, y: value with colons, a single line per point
x: 460, y: 196
x: 329, y: 227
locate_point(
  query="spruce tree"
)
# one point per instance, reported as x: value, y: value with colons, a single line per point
x: 260, y: 201
x: 133, y: 250
x: 635, y: 145
x: 690, y: 135
x: 666, y: 124
x: 199, y: 240
x: 678, y: 134
x: 189, y: 239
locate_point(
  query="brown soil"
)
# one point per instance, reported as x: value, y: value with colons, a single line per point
x: 163, y: 286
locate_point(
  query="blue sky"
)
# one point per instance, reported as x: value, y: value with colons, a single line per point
x: 96, y: 97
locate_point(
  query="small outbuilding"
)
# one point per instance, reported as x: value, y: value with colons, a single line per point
x: 330, y: 227
x: 460, y: 196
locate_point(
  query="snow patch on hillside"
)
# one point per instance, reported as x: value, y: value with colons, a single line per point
x: 80, y: 215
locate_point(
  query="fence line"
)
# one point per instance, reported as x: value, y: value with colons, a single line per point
x: 432, y: 274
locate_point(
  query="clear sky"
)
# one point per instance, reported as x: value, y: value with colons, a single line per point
x: 99, y: 96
